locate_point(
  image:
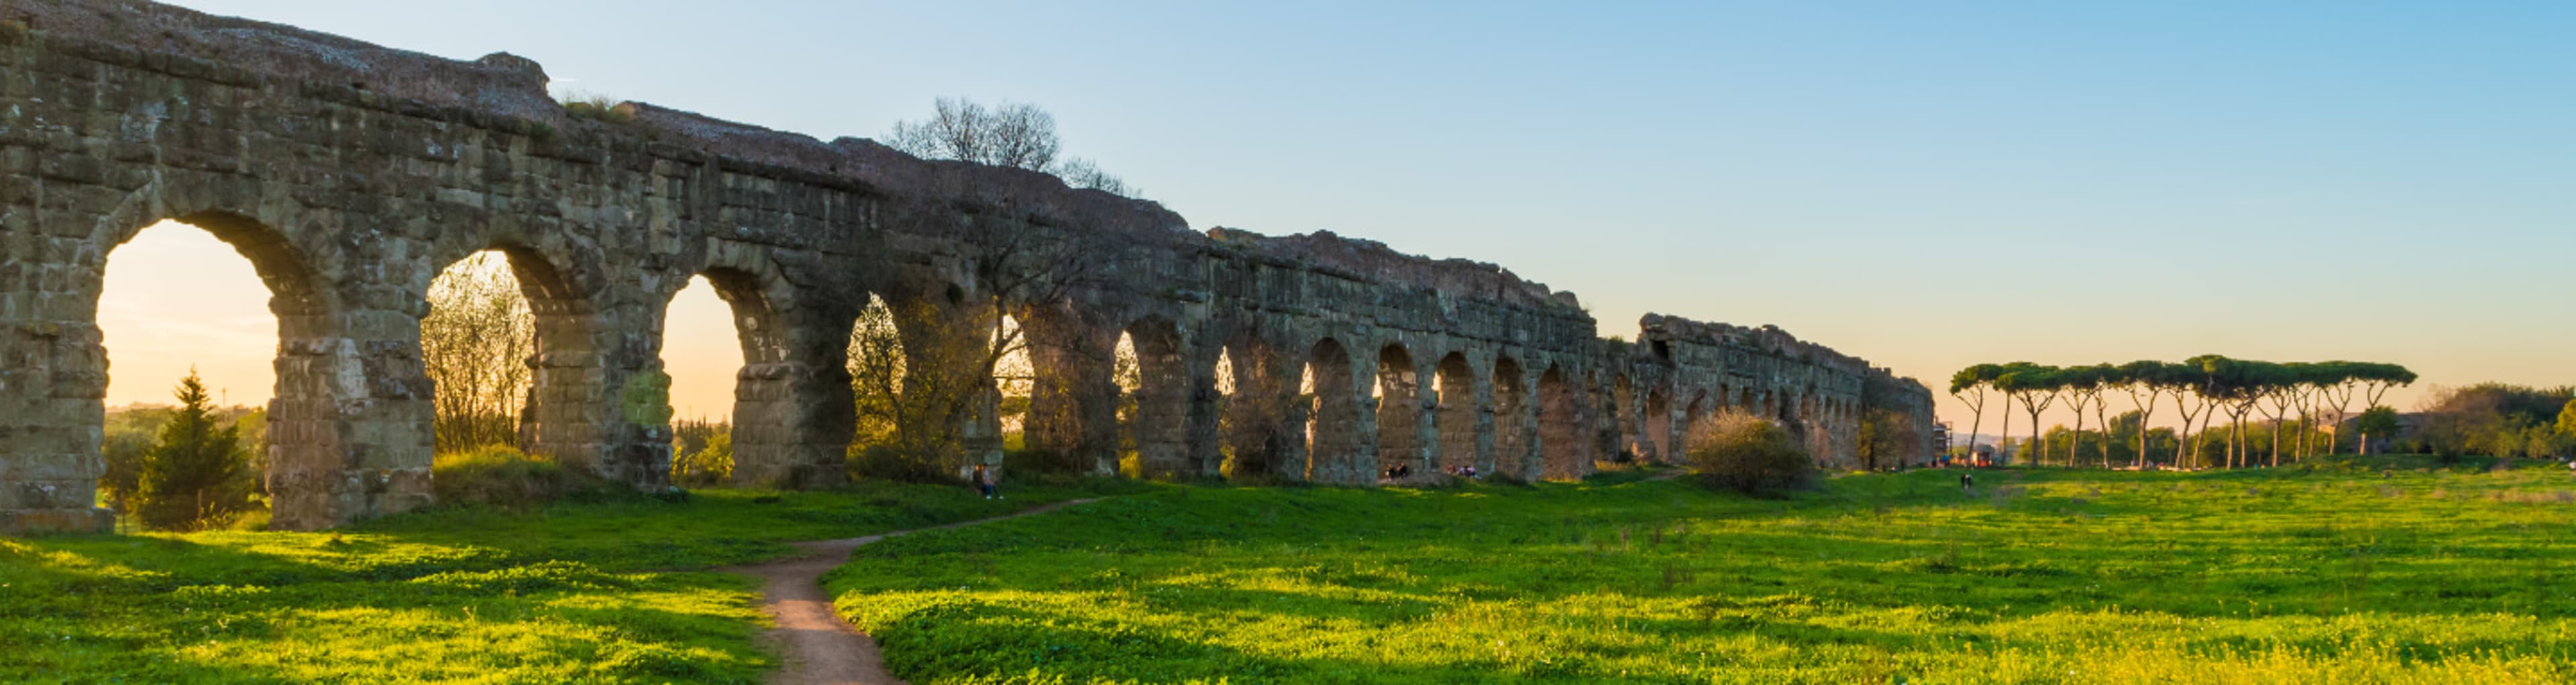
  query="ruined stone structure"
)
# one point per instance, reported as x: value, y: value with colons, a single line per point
x: 350, y: 175
x: 1680, y: 370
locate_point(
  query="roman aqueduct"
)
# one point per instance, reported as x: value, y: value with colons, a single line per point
x: 350, y: 175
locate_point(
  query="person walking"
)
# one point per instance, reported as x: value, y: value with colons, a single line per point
x: 984, y: 482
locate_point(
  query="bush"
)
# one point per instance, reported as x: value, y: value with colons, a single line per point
x: 505, y: 477
x: 1749, y: 454
x: 711, y: 464
x: 887, y: 462
x: 599, y: 108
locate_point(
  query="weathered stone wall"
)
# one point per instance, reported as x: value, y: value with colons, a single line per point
x: 1680, y: 371
x: 350, y: 175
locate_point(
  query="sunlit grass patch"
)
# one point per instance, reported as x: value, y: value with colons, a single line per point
x: 2293, y: 575
x: 609, y: 591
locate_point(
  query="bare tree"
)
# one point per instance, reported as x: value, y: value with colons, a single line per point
x: 474, y: 345
x: 1012, y: 135
x: 924, y: 366
x: 1020, y: 136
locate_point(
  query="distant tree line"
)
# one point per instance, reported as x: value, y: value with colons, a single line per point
x: 2202, y: 388
x: 2495, y: 419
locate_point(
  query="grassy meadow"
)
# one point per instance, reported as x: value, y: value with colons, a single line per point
x: 611, y: 590
x: 2333, y: 572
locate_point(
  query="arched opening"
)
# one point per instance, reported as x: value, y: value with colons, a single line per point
x: 1253, y: 411
x: 1692, y: 415
x: 1457, y: 413
x: 507, y: 344
x: 169, y: 307
x: 1015, y: 380
x: 877, y: 367
x: 1131, y: 382
x: 1332, y: 424
x: 1557, y: 447
x: 937, y: 389
x: 1221, y: 382
x: 1811, y: 415
x: 1154, y: 412
x: 1623, y: 413
x: 475, y: 344
x: 1659, y: 426
x: 1744, y: 401
x: 714, y: 412
x: 1511, y: 445
x: 1399, y: 412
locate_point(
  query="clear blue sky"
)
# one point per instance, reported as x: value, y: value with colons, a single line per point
x: 1926, y: 185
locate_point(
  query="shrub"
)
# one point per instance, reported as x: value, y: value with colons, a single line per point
x: 505, y: 477
x: 599, y: 108
x: 711, y: 464
x: 1746, y: 453
x: 887, y: 462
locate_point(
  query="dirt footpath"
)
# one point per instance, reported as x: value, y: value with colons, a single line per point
x: 817, y: 646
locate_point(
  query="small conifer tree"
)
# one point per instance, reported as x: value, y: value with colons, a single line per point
x: 196, y: 475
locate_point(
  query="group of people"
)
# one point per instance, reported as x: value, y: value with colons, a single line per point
x: 984, y: 483
x: 1402, y: 471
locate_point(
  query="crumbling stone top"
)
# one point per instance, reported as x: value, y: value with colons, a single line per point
x: 1768, y: 338
x: 512, y: 86
x: 501, y: 83
x: 1375, y: 260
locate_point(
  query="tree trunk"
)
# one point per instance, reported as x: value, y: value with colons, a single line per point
x: 2003, y: 436
x: 2075, y: 438
x: 2334, y: 435
x: 2035, y: 435
x: 2105, y: 421
x: 2276, y: 443
x: 1976, y: 420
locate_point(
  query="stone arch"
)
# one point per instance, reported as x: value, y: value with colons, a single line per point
x: 325, y: 409
x: 570, y: 412
x: 1692, y: 414
x: 1073, y: 404
x: 1399, y: 410
x: 876, y: 360
x: 1014, y: 382
x: 1623, y: 413
x: 1459, y: 411
x: 304, y: 305
x: 1333, y: 424
x: 1656, y: 440
x: 1256, y: 412
x: 792, y: 422
x: 1160, y: 422
x: 1560, y: 455
x: 1512, y: 425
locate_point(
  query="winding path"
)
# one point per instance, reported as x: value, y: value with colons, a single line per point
x: 818, y: 647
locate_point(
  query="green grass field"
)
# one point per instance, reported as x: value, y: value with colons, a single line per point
x: 610, y: 591
x: 2325, y: 574
x: 2305, y: 574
